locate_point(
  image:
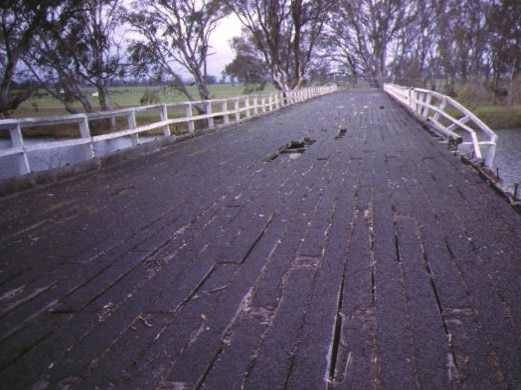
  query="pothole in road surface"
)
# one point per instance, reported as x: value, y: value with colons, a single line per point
x: 341, y: 133
x: 292, y: 150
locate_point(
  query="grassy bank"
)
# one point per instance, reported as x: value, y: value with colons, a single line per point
x: 500, y: 117
x: 490, y: 107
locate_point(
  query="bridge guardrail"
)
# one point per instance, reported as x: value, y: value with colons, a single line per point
x: 227, y: 110
x: 446, y: 116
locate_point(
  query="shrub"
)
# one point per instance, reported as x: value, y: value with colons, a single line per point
x: 473, y: 94
x: 149, y: 97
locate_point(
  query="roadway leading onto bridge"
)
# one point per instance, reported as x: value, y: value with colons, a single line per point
x: 334, y: 244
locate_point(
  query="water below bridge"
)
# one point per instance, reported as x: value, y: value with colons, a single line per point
x: 375, y: 259
x: 508, y: 156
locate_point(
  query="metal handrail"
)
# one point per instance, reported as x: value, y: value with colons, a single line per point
x: 444, y: 115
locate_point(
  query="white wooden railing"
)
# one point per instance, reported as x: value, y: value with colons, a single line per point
x: 226, y: 110
x: 448, y: 118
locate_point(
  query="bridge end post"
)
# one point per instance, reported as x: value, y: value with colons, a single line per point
x: 88, y: 148
x: 18, y: 142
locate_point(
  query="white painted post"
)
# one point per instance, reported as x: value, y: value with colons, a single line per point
x: 415, y: 101
x: 224, y: 109
x: 236, y: 109
x: 440, y: 108
x: 131, y: 120
x: 425, y: 111
x: 163, y: 114
x: 189, y: 120
x: 88, y: 148
x: 208, y: 105
x: 17, y: 140
x: 255, y: 105
x: 247, y: 105
x: 491, y: 153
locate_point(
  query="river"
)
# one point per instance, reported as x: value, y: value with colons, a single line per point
x: 508, y: 156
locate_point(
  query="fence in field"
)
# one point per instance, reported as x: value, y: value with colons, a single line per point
x: 449, y: 119
x: 169, y: 120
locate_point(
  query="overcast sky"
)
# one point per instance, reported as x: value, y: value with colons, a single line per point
x: 220, y: 42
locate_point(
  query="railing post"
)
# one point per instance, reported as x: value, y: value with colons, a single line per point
x: 417, y: 101
x: 236, y: 105
x: 18, y: 142
x: 208, y: 105
x: 443, y: 103
x: 255, y: 105
x: 425, y: 109
x: 189, y: 116
x: 247, y: 105
x: 88, y: 148
x: 131, y: 120
x: 163, y: 114
x: 491, y: 153
x: 224, y: 109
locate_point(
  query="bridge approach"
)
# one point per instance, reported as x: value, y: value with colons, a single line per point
x: 335, y: 244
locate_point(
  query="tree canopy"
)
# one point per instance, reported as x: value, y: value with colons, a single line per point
x: 21, y: 21
x: 80, y: 46
x: 173, y: 35
x: 63, y: 45
x: 285, y: 32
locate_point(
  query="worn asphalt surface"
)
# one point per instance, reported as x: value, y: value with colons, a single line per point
x: 373, y: 259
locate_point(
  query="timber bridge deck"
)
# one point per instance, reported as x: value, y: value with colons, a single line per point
x: 333, y: 244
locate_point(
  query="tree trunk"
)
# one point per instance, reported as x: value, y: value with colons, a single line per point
x: 511, y: 84
x: 5, y: 104
x: 103, y: 98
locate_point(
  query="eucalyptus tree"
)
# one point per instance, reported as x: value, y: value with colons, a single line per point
x: 363, y: 32
x: 285, y: 32
x: 506, y: 43
x: 173, y: 38
x: 247, y: 67
x: 20, y: 19
x: 464, y: 32
x: 415, y: 56
x: 80, y: 48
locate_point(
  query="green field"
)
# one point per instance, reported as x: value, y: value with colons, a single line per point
x: 44, y: 105
x: 122, y: 97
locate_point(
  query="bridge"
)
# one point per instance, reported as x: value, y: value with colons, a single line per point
x: 333, y: 244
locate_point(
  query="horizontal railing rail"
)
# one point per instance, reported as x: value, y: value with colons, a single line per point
x: 205, y: 113
x: 448, y: 118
